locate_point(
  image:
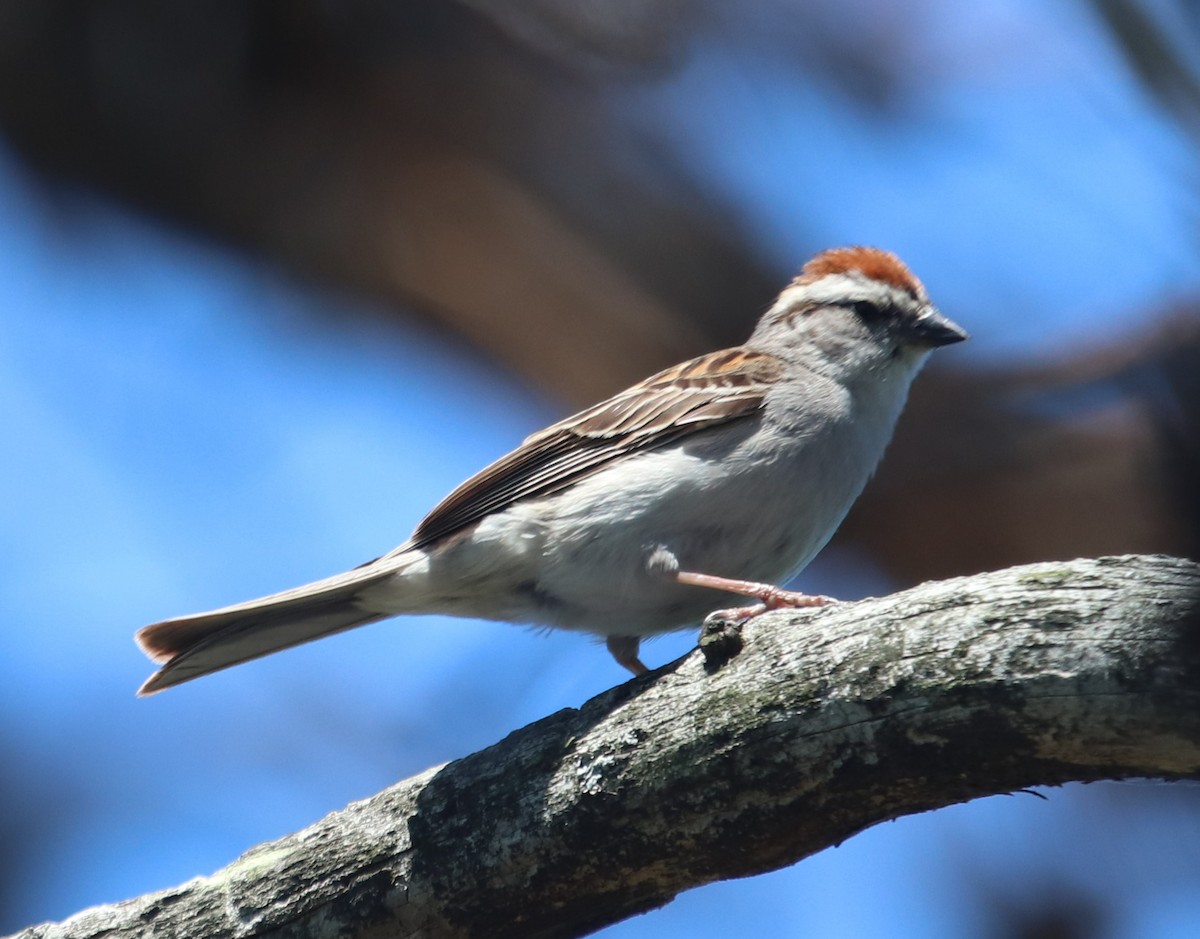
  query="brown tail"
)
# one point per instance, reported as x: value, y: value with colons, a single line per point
x: 191, y: 646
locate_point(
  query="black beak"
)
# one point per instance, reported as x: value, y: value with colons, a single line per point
x: 932, y: 329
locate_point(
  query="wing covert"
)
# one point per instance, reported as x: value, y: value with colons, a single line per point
x: 702, y: 392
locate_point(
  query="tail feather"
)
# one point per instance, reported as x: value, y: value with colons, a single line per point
x: 191, y: 646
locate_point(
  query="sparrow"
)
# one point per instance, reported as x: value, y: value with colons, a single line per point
x: 721, y: 476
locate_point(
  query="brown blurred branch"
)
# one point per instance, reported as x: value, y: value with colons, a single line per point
x: 1094, y: 451
x: 828, y: 722
x: 461, y: 161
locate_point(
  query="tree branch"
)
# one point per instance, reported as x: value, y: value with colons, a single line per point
x: 827, y: 722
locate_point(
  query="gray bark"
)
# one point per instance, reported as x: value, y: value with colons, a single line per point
x: 749, y: 755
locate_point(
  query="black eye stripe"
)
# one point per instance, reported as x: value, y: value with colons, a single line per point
x: 867, y: 310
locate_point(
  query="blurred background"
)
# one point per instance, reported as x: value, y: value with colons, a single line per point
x: 275, y: 276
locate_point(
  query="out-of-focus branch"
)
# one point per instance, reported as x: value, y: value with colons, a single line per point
x: 771, y: 745
x: 1091, y: 452
x: 1157, y: 49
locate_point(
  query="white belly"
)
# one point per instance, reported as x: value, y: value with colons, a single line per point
x: 578, y: 560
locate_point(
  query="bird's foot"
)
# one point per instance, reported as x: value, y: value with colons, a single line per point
x: 769, y: 597
x: 625, y: 650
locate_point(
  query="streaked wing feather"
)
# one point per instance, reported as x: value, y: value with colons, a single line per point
x: 709, y: 390
x: 521, y: 474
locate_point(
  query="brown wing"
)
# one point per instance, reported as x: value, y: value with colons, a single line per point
x: 714, y: 388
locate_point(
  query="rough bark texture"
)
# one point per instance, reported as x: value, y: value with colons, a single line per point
x: 825, y: 722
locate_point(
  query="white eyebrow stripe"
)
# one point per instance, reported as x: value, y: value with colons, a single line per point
x: 838, y: 288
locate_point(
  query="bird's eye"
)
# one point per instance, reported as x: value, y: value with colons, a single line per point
x: 867, y: 311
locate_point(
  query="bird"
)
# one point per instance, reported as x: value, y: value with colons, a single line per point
x: 718, y: 478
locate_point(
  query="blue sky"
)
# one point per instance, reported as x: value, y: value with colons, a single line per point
x: 186, y: 430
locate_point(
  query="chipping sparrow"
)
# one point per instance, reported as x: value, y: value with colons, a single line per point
x: 726, y: 473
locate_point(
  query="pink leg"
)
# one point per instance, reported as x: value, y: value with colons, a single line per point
x: 768, y: 596
x: 625, y: 650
